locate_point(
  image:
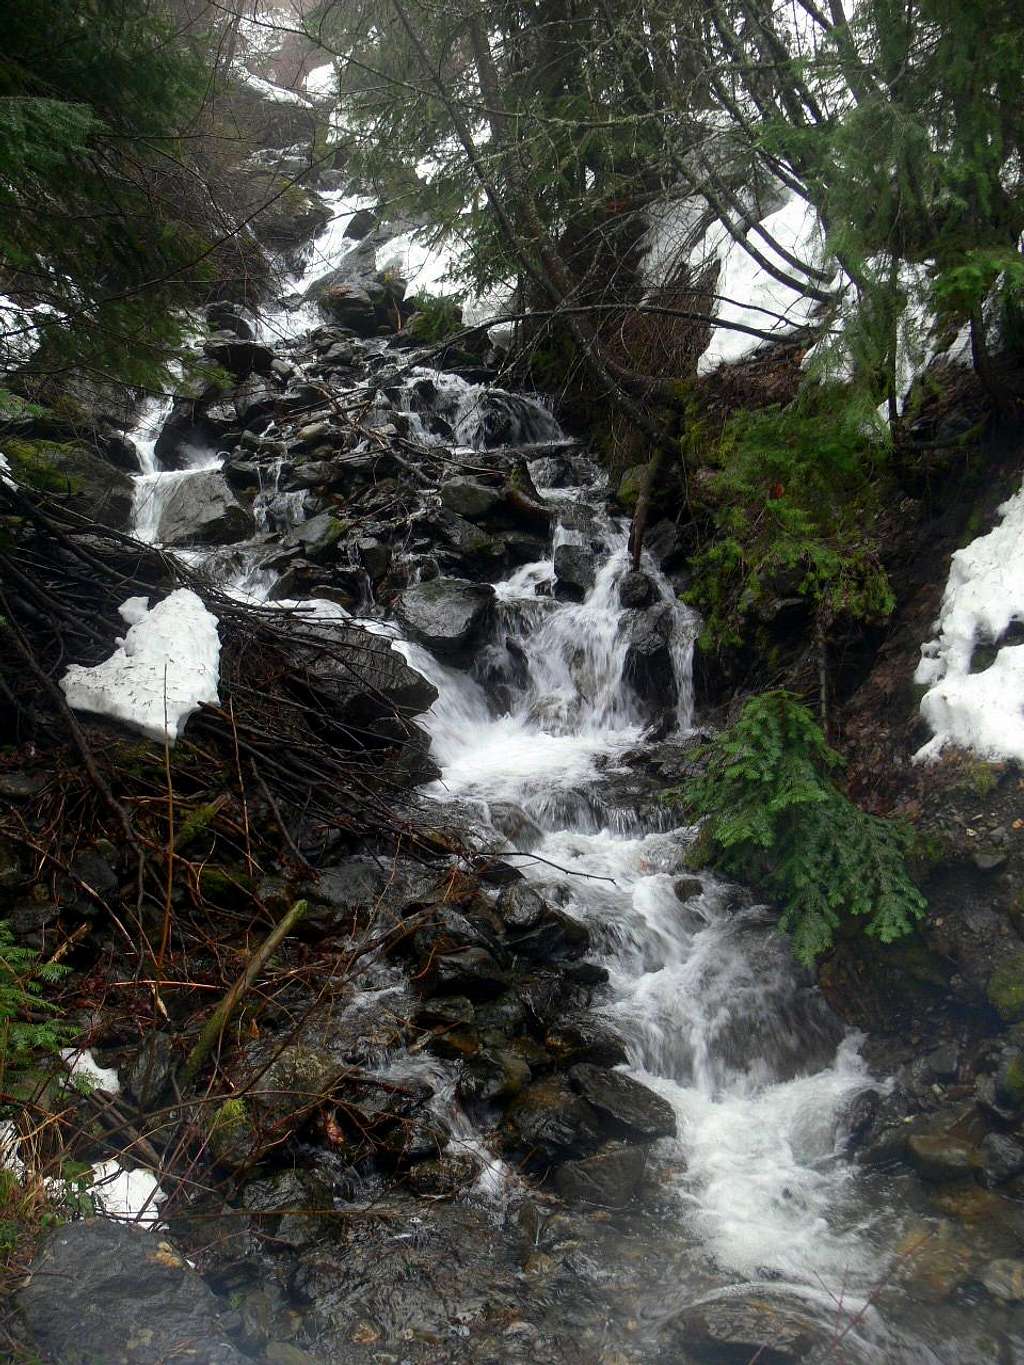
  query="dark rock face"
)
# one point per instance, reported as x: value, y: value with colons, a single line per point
x: 551, y: 1121
x: 637, y: 590
x: 627, y: 1109
x: 104, y: 1291
x: 202, y: 510
x: 240, y: 355
x: 648, y: 657
x: 574, y: 572
x: 447, y: 615
x: 94, y: 488
x: 609, y: 1179
x: 736, y: 1330
x: 362, y: 676
x: 470, y: 499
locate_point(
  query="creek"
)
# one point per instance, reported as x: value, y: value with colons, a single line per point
x: 756, y: 1200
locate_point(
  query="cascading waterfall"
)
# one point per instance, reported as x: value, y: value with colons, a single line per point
x: 702, y: 990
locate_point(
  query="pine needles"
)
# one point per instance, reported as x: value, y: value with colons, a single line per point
x: 776, y: 818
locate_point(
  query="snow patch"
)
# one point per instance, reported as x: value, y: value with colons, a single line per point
x: 6, y: 471
x: 983, y: 712
x: 134, y: 1196
x: 277, y: 94
x: 82, y: 1064
x: 321, y: 81
x: 166, y: 666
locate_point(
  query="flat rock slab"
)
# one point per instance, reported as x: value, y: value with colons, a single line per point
x: 105, y: 1291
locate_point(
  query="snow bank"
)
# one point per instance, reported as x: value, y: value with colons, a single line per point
x: 166, y: 666
x: 983, y: 712
x: 749, y: 294
x: 321, y: 81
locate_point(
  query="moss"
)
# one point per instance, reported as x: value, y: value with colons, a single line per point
x: 1011, y: 1080
x: 193, y: 826
x: 629, y: 487
x: 232, y: 1134
x: 38, y: 464
x: 225, y: 885
x: 1006, y: 989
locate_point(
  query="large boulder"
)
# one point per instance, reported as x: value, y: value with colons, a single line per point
x: 197, y: 507
x: 240, y: 355
x: 360, y: 677
x: 92, y: 486
x: 447, y: 615
x: 627, y: 1109
x: 347, y: 304
x: 648, y: 667
x: 101, y: 1290
x: 736, y: 1330
x: 575, y: 571
x: 469, y: 498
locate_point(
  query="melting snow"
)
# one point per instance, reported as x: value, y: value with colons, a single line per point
x: 84, y: 1064
x: 166, y: 666
x: 752, y: 297
x: 133, y: 1195
x: 275, y: 93
x: 982, y: 711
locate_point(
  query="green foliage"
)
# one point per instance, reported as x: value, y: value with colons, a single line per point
x: 22, y: 978
x: 94, y: 244
x: 435, y: 318
x: 776, y: 818
x: 795, y: 505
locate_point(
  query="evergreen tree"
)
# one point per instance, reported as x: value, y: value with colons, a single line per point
x: 104, y: 229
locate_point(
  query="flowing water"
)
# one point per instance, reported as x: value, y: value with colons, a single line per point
x: 702, y: 989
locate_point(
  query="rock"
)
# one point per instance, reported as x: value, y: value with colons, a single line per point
x: 289, y: 1085
x: 1001, y: 1158
x: 687, y: 888
x: 511, y: 821
x: 608, y: 1179
x: 361, y: 224
x: 15, y: 786
x: 585, y: 1039
x: 549, y: 1121
x: 201, y: 509
x: 574, y: 572
x: 228, y: 317
x: 470, y: 499
x: 664, y: 544
x: 106, y: 1291
x: 626, y: 1109
x: 149, y: 1075
x: 375, y: 557
x: 475, y: 550
x: 1006, y: 988
x: 493, y: 1074
x: 239, y: 355
x: 740, y: 1329
x: 521, y: 907
x: 316, y: 538
x: 940, y: 1159
x: 1004, y: 1280
x: 637, y: 590
x: 555, y: 937
x: 648, y: 666
x: 360, y: 676
x: 1009, y: 1080
x: 467, y: 971
x: 629, y: 487
x: 446, y: 1177
x: 92, y: 486
x: 255, y: 401
x: 447, y: 615
x: 348, y: 305
x: 293, y: 1206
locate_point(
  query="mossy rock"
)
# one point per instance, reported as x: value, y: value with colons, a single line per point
x: 1006, y: 989
x: 96, y: 489
x: 225, y: 885
x: 232, y: 1136
x: 630, y: 484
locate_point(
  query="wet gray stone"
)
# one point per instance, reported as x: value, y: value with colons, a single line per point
x: 447, y: 615
x: 105, y: 1291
